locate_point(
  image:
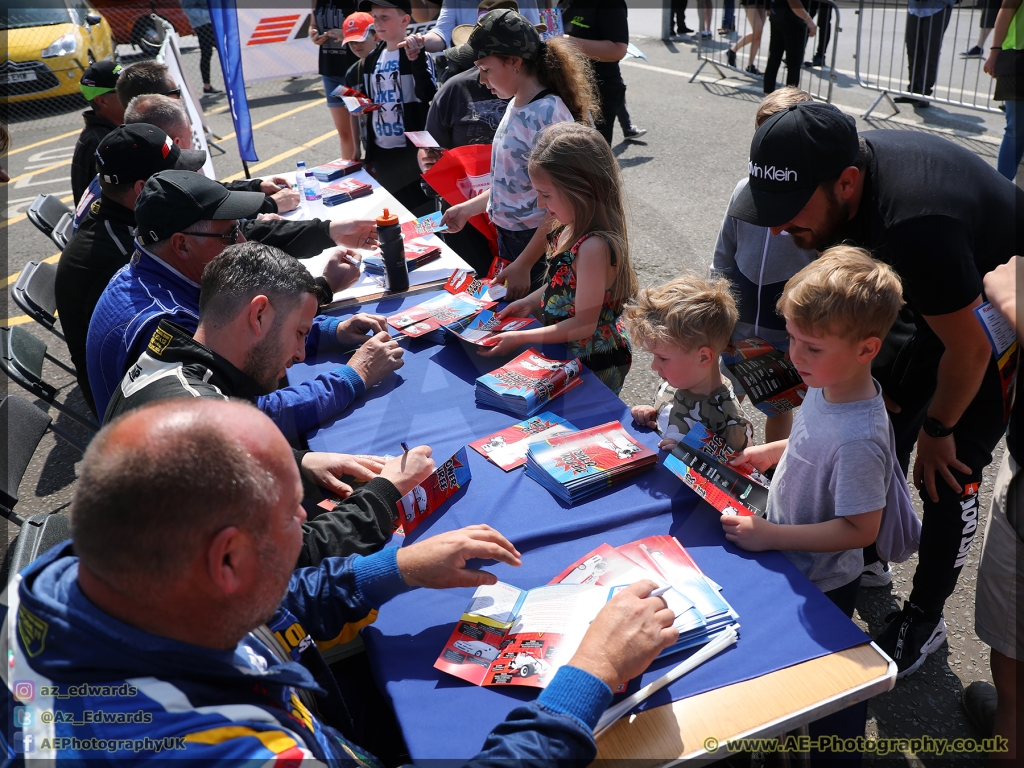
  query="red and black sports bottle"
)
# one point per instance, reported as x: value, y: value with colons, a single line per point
x: 392, y: 251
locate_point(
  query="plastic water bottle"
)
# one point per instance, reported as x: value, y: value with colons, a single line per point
x: 392, y: 250
x: 311, y: 189
x: 300, y: 179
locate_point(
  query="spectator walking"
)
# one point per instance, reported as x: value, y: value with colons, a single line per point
x: 677, y: 19
x: 728, y: 17
x: 630, y: 131
x: 198, y: 13
x: 824, y: 13
x: 757, y: 11
x: 327, y: 31
x: 926, y: 24
x: 987, y: 21
x: 1005, y: 63
x: 791, y: 24
x: 105, y: 113
x: 601, y: 31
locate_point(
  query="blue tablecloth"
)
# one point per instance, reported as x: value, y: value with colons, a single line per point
x: 784, y: 619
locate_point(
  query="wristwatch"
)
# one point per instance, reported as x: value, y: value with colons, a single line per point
x: 935, y: 428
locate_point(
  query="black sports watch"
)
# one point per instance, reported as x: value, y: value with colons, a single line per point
x: 935, y: 428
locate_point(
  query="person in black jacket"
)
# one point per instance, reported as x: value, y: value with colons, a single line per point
x: 386, y: 76
x: 256, y: 306
x: 104, y: 243
x: 105, y: 113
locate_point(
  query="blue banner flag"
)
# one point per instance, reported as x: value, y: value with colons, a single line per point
x: 229, y: 49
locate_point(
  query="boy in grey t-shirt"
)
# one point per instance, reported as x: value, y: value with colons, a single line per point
x: 827, y: 496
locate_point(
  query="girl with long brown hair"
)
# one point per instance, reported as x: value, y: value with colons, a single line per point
x: 590, y: 275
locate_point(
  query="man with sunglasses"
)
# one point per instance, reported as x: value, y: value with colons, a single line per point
x: 184, y: 220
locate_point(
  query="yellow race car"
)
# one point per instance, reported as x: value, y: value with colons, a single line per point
x: 49, y: 45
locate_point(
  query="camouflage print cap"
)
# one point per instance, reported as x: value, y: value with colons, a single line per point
x: 503, y: 32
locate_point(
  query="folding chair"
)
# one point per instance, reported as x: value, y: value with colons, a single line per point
x: 25, y: 425
x: 46, y: 212
x: 63, y: 231
x: 21, y: 358
x: 34, y: 293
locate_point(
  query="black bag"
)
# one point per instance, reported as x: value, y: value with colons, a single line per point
x: 1009, y: 75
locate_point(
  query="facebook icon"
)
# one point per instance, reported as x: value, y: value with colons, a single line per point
x: 24, y: 742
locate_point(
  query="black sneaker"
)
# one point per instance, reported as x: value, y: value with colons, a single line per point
x: 730, y: 56
x: 973, y: 53
x: 979, y: 700
x: 633, y: 133
x: 753, y: 70
x: 910, y: 637
x: 818, y: 60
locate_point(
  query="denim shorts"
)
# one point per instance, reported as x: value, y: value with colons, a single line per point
x: 330, y: 83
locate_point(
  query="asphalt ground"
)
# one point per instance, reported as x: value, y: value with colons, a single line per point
x: 679, y: 178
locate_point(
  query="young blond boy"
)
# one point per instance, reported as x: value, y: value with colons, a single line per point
x: 685, y: 324
x: 829, y: 489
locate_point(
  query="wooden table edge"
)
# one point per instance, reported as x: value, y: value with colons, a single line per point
x: 762, y: 707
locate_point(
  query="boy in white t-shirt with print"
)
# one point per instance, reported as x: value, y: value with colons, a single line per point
x: 403, y: 88
x: 829, y: 489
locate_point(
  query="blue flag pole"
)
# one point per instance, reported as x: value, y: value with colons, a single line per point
x: 229, y: 50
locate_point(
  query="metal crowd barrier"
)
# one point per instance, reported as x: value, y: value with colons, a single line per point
x: 751, y: 27
x: 924, y: 57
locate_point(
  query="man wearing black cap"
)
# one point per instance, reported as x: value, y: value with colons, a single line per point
x: 105, y: 113
x: 184, y: 220
x: 942, y: 218
x: 103, y: 244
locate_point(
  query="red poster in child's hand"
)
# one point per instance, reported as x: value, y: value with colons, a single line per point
x: 460, y: 174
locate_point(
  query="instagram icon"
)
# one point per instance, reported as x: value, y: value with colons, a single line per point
x: 24, y: 690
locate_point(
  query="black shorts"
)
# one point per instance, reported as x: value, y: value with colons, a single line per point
x: 989, y: 13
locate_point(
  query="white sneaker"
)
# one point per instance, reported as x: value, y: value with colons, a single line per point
x: 877, y: 574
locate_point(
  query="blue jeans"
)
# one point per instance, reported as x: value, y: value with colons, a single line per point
x: 729, y: 13
x: 512, y: 242
x: 1012, y: 149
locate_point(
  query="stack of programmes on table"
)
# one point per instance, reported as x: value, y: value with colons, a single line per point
x: 510, y: 636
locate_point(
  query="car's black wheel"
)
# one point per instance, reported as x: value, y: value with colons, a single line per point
x: 525, y: 671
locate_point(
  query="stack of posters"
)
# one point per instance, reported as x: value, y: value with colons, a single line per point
x: 510, y: 636
x: 336, y: 169
x: 525, y: 385
x: 507, y: 447
x: 576, y: 465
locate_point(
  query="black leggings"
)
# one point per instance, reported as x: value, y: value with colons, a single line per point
x: 206, y: 46
x: 789, y: 36
x: 845, y: 597
x: 907, y: 376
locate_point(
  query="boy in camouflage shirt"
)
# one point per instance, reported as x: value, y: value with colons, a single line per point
x: 686, y: 324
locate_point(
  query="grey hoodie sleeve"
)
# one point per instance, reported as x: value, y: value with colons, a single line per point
x: 724, y: 260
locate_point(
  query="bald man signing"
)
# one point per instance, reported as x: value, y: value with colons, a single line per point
x: 189, y: 621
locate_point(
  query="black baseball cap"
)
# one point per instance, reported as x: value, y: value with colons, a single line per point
x: 172, y: 201
x: 791, y: 154
x: 403, y: 5
x: 98, y: 78
x: 135, y: 152
x: 501, y: 32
